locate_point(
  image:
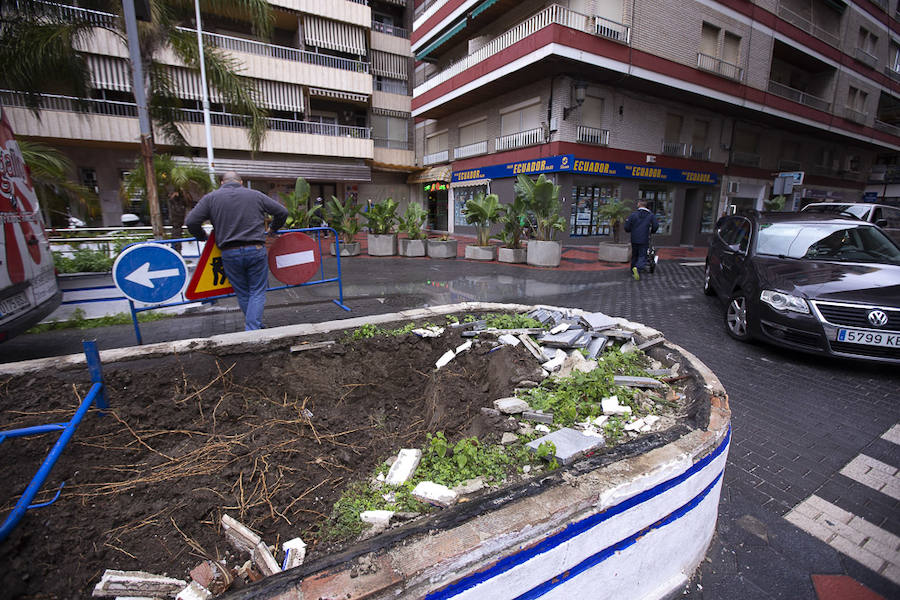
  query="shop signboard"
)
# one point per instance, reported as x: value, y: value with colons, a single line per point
x: 569, y: 163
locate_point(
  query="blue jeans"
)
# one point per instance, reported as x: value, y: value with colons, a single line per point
x: 247, y: 269
x: 639, y: 255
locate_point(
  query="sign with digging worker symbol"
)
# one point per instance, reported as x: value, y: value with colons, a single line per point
x: 209, y: 278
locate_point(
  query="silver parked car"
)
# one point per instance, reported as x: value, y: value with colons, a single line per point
x: 886, y: 217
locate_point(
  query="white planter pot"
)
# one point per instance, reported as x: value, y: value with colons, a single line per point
x: 351, y: 249
x: 411, y: 248
x: 442, y: 249
x: 382, y: 245
x: 612, y: 252
x: 512, y: 255
x: 543, y: 254
x: 480, y: 252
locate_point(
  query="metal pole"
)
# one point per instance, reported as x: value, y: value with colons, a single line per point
x: 206, y: 123
x: 140, y: 96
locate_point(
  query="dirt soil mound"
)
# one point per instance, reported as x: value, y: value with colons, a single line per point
x: 270, y: 439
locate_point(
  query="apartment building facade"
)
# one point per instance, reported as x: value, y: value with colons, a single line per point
x: 334, y: 79
x: 696, y: 106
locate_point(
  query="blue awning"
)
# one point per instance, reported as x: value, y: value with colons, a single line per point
x: 438, y: 42
x: 482, y: 7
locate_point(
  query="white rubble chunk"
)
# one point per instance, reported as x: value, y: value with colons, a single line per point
x: 429, y: 332
x: 137, y: 583
x: 194, y: 591
x: 511, y: 405
x: 531, y: 346
x: 294, y: 553
x: 379, y: 518
x: 636, y: 425
x: 508, y: 438
x: 509, y: 340
x: 560, y: 328
x: 463, y: 347
x: 470, y: 486
x: 445, y: 358
x: 592, y: 431
x: 556, y: 362
x: 628, y: 347
x: 600, y: 421
x: 542, y: 428
x: 611, y: 406
x: 651, y: 420
x: 436, y: 494
x: 404, y: 467
x: 239, y: 534
x: 263, y: 558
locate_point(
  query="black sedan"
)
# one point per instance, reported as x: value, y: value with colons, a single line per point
x: 810, y: 282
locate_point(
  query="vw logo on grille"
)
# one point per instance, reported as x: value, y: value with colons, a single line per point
x: 878, y: 318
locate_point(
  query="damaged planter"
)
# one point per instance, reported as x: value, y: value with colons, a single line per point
x: 382, y: 244
x: 480, y: 252
x: 351, y: 249
x: 411, y: 248
x: 512, y: 255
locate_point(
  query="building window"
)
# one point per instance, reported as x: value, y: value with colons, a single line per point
x: 659, y: 201
x: 709, y: 40
x: 461, y: 195
x: 856, y: 99
x: 473, y: 133
x: 584, y: 218
x: 731, y: 49
x: 867, y: 41
x: 894, y: 58
x: 592, y: 112
x: 390, y: 86
x: 520, y: 118
x: 436, y: 143
x: 390, y: 132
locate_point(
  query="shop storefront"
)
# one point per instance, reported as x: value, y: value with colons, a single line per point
x: 684, y: 201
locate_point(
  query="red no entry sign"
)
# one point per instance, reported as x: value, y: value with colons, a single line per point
x: 294, y: 258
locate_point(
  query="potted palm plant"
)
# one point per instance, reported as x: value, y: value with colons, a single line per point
x: 381, y: 218
x: 542, y: 199
x: 412, y: 224
x: 513, y: 218
x: 343, y: 217
x: 482, y: 211
x: 300, y: 213
x: 615, y: 212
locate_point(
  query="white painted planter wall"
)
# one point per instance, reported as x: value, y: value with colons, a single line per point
x: 634, y: 528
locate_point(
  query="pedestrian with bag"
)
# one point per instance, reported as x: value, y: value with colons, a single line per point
x: 641, y: 223
x: 238, y: 217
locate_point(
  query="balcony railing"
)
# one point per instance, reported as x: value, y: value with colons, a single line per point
x: 719, y: 67
x: 186, y: 115
x: 808, y: 26
x: 227, y: 42
x: 393, y: 30
x: 531, y: 137
x: 887, y: 127
x: 593, y: 135
x: 779, y: 89
x: 392, y: 144
x: 789, y: 165
x: 97, y: 18
x: 700, y: 153
x: 420, y: 9
x: 748, y: 159
x: 391, y: 86
x: 866, y: 58
x: 674, y: 148
x: 612, y: 30
x: 857, y: 116
x: 470, y: 150
x: 553, y: 14
x: 436, y: 157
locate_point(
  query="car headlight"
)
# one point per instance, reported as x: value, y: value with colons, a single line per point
x: 782, y: 301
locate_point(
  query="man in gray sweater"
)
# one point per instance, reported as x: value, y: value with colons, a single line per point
x: 238, y: 217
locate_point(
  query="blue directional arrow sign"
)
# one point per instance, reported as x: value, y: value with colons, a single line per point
x: 150, y: 273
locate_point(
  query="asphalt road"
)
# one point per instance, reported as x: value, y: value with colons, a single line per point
x: 797, y: 421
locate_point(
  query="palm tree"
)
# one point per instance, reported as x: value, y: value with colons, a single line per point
x: 181, y: 184
x: 50, y: 170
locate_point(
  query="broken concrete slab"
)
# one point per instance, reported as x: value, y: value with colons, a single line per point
x: 194, y: 591
x: 559, y: 328
x: 294, y: 553
x: 137, y: 583
x: 635, y: 425
x: 540, y: 417
x: 556, y: 362
x: 445, y: 358
x: 511, y: 405
x: 599, y: 321
x: 379, y: 518
x: 638, y: 382
x: 263, y: 559
x: 311, y: 346
x: 463, y: 347
x: 239, y: 534
x: 611, y: 406
x: 490, y: 412
x: 651, y: 343
x: 508, y: 438
x: 570, y: 444
x: 404, y: 466
x: 435, y: 494
x: 531, y: 346
x: 596, y: 346
x: 429, y: 332
x: 565, y: 339
x: 628, y: 347
x: 509, y: 340
x: 542, y: 428
x: 470, y: 486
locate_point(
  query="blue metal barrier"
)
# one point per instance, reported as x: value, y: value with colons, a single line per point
x: 318, y: 231
x: 97, y: 395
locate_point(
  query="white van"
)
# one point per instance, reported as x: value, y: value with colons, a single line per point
x: 28, y: 287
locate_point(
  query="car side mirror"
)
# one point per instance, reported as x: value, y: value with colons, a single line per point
x: 881, y: 222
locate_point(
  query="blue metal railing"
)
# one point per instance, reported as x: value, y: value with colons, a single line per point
x: 97, y: 395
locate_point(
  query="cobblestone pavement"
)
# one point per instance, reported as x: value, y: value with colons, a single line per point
x: 811, y: 483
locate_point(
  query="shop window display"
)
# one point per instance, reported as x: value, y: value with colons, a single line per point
x: 461, y: 195
x: 584, y: 219
x: 708, y: 216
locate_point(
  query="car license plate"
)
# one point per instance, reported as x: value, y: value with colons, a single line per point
x: 869, y: 338
x: 13, y: 304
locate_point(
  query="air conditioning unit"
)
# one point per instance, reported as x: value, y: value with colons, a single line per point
x: 734, y: 187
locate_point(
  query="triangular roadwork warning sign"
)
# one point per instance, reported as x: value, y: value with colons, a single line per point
x: 209, y: 278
